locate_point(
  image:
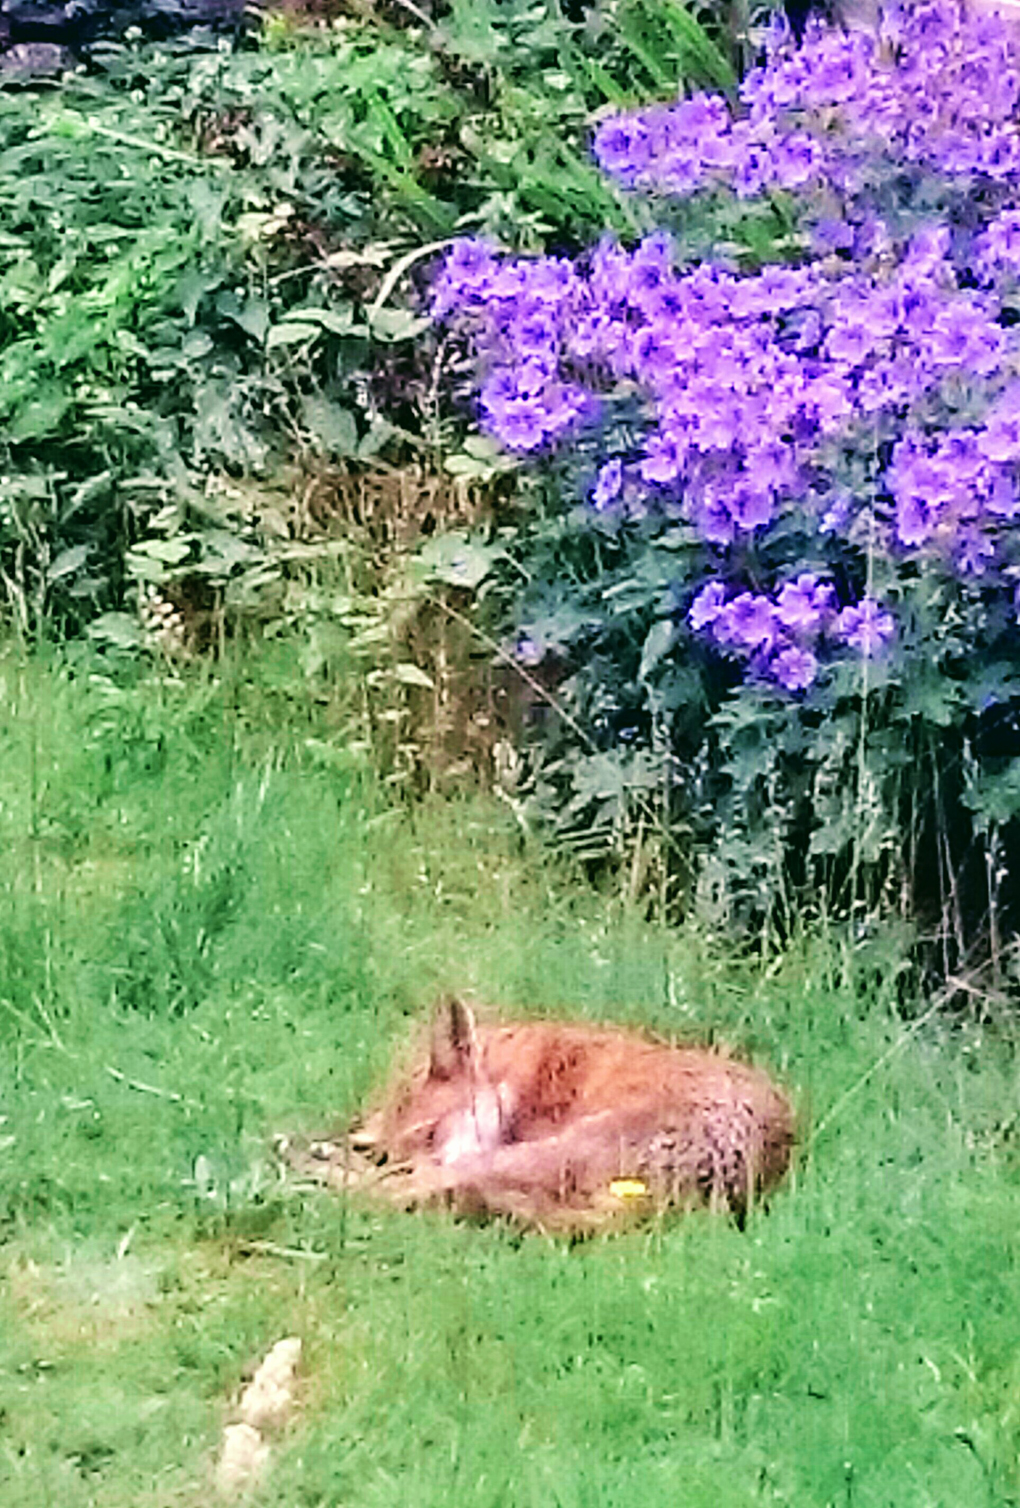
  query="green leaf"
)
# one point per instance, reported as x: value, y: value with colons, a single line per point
x: 995, y: 797
x: 932, y: 697
x: 398, y: 324
x: 333, y: 426
x: 473, y: 469
x: 192, y: 287
x: 196, y: 344
x: 482, y: 448
x: 253, y: 318
x: 119, y: 629
x: 291, y: 333
x: 41, y: 416
x: 68, y: 561
x: 658, y: 643
x: 379, y: 433
x: 456, y: 560
x: 338, y: 321
x: 169, y: 551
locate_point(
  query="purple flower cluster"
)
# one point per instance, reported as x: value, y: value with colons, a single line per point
x: 930, y: 87
x: 751, y: 384
x: 772, y: 396
x: 779, y: 635
x: 525, y: 402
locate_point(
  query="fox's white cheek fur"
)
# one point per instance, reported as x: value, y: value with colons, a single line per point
x: 479, y: 1129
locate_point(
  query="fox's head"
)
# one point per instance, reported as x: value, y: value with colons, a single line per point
x: 446, y: 1108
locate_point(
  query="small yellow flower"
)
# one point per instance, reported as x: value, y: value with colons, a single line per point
x: 628, y: 1188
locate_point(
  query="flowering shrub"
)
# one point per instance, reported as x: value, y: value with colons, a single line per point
x: 807, y: 472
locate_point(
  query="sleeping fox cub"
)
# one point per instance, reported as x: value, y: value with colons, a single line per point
x: 563, y: 1126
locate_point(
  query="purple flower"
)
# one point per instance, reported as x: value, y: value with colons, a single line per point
x: 711, y: 517
x: 622, y: 147
x: 837, y: 515
x: 889, y: 385
x: 915, y: 520
x: 963, y: 335
x: 1000, y: 244
x: 509, y: 282
x: 748, y: 622
x: 999, y: 154
x: 607, y: 485
x: 751, y: 506
x: 721, y: 421
x: 796, y: 160
x: 881, y: 384
x: 827, y: 399
x: 924, y: 486
x: 795, y: 669
x: 467, y: 272
x: 663, y: 460
x: 535, y: 331
x: 1000, y: 439
x: 707, y: 605
x: 802, y: 605
x: 865, y: 627
x: 752, y: 172
x: 532, y: 376
x: 565, y: 407
x: 843, y: 111
x: 850, y: 342
x: 529, y: 649
x: 1003, y: 500
x: 499, y: 390
x: 927, y: 250
x: 520, y: 424
x: 974, y: 550
x: 829, y: 234
x: 551, y: 280
x: 654, y: 353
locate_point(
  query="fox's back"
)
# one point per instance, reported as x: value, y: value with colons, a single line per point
x: 653, y: 1100
x: 560, y: 1071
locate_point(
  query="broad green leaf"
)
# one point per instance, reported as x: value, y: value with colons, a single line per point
x: 456, y: 560
x: 41, y: 415
x: 169, y: 551
x: 291, y: 333
x: 398, y: 324
x: 68, y: 561
x: 192, y: 287
x: 995, y: 797
x: 338, y: 321
x: 119, y: 629
x: 333, y: 426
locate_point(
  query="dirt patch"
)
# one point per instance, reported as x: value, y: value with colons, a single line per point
x: 86, y: 1299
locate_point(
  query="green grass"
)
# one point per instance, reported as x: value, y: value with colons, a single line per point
x: 212, y: 926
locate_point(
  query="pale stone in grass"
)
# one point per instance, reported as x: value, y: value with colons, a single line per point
x: 265, y: 1404
x: 267, y: 1399
x: 242, y: 1460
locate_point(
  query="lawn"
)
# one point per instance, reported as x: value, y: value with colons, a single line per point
x: 215, y: 925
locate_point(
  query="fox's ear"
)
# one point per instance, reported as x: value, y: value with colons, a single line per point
x: 454, y: 1045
